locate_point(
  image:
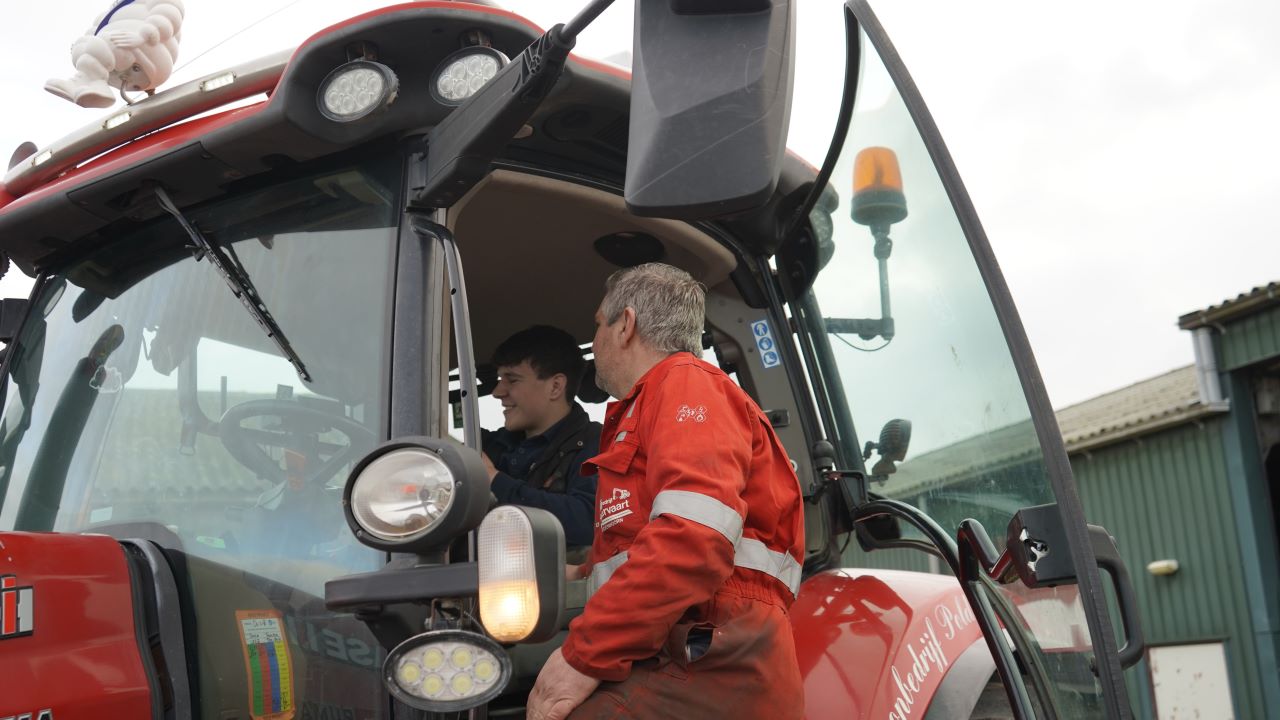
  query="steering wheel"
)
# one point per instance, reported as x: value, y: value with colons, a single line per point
x: 300, y: 426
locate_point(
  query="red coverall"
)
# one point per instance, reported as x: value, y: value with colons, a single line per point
x: 699, y: 536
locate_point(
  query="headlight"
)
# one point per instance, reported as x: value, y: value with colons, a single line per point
x: 521, y: 569
x: 402, y: 494
x: 357, y: 89
x: 446, y: 671
x: 463, y: 73
x: 415, y: 494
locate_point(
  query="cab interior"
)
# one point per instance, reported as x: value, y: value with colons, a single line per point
x: 538, y: 250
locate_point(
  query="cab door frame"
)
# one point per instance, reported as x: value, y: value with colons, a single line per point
x: 1106, y: 664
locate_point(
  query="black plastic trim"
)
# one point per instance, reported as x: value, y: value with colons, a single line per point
x: 416, y: 330
x: 166, y: 608
x: 144, y: 620
x: 414, y: 584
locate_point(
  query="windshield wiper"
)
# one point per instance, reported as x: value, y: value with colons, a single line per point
x: 229, y: 267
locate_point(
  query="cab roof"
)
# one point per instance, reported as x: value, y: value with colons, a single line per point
x: 76, y: 190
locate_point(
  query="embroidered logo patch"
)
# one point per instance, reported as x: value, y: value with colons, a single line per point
x: 694, y: 414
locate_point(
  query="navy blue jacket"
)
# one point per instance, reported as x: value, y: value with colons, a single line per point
x: 545, y: 471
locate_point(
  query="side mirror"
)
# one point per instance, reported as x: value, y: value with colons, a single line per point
x: 710, y: 103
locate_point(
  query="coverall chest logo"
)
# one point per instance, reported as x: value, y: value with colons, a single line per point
x: 614, y: 508
x: 691, y: 414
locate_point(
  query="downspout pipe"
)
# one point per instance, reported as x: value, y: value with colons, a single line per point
x: 1206, y: 367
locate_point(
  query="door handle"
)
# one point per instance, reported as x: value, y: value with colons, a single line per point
x: 1108, y: 557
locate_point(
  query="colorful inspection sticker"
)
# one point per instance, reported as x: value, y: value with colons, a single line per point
x: 765, y: 344
x: 267, y: 661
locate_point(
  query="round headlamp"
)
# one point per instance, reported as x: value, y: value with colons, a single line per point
x: 402, y: 495
x: 357, y: 89
x: 411, y: 495
x: 446, y: 671
x: 463, y: 73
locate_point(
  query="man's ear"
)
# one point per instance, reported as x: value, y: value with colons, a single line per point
x: 627, y: 331
x: 558, y: 384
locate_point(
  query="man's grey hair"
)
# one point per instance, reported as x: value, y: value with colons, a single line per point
x: 670, y: 305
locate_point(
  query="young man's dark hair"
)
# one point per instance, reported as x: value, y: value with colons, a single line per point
x: 549, y: 350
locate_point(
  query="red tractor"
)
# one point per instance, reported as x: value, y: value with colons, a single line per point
x: 250, y: 320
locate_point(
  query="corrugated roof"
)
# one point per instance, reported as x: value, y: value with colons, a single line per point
x: 1244, y: 304
x: 1139, y: 409
x: 1164, y: 400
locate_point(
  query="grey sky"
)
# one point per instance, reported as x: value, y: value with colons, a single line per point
x: 1122, y: 156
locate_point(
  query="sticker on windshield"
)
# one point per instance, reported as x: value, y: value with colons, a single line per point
x: 268, y: 664
x: 765, y: 344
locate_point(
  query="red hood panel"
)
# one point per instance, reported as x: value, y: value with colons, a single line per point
x: 877, y: 643
x: 67, y: 634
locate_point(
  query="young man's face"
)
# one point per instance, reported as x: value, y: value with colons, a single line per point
x: 529, y: 404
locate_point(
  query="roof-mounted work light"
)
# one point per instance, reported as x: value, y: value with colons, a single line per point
x: 356, y: 90
x: 415, y: 494
x: 463, y: 73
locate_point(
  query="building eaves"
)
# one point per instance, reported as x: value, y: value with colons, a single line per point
x: 1248, y: 303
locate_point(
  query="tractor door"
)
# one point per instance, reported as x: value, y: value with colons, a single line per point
x: 929, y: 391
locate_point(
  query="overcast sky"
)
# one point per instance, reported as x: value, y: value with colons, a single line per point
x: 1123, y: 157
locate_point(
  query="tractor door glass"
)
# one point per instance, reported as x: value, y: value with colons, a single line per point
x: 933, y: 392
x: 144, y: 401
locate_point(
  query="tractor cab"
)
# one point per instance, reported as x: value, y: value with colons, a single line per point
x: 239, y: 443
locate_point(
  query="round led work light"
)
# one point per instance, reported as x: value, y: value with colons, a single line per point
x: 446, y: 671
x: 463, y: 73
x: 415, y: 494
x: 357, y: 89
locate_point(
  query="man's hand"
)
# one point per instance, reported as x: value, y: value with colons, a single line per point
x: 489, y: 467
x: 559, y: 690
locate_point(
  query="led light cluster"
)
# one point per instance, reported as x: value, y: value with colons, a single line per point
x: 447, y: 670
x: 357, y: 89
x: 462, y: 74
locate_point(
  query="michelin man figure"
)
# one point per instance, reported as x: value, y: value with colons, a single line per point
x: 132, y: 46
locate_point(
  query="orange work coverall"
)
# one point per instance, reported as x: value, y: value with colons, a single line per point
x: 697, y: 554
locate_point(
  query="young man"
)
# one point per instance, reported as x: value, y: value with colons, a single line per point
x: 536, y: 458
x: 699, y: 543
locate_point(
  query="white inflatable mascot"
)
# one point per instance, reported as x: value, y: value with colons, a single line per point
x: 131, y: 46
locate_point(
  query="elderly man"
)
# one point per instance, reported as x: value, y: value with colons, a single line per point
x: 699, y: 538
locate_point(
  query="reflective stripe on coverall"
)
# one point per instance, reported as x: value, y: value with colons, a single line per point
x: 697, y: 555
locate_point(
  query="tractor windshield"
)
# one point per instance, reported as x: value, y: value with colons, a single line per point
x: 143, y: 394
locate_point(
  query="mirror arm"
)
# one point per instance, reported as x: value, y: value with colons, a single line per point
x: 584, y: 18
x: 996, y: 565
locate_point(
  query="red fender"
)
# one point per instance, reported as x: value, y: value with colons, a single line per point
x: 878, y: 643
x: 69, y: 643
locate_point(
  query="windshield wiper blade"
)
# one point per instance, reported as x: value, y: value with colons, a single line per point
x: 237, y: 279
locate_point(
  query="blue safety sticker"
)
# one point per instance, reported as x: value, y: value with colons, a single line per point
x: 765, y: 344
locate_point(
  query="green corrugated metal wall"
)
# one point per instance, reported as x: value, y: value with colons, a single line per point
x: 1250, y: 339
x: 1164, y: 496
